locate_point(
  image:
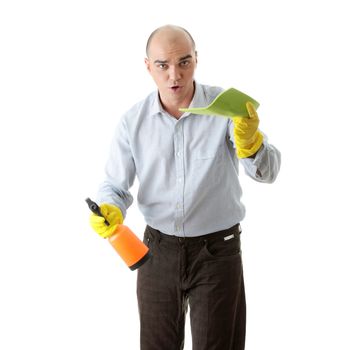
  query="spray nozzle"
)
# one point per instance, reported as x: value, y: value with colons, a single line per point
x: 95, y: 209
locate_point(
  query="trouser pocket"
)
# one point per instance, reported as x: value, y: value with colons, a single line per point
x: 223, y: 247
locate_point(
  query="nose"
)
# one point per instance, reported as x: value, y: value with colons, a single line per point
x: 174, y: 74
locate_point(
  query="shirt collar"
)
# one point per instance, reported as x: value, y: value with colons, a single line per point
x: 199, y: 98
x: 155, y: 106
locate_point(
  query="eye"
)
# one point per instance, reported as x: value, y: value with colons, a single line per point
x: 162, y: 66
x: 184, y: 63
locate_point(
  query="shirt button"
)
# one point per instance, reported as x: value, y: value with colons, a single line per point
x: 178, y: 154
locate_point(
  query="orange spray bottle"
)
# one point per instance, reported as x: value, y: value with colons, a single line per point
x: 129, y: 247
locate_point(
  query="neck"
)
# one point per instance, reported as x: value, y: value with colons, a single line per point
x: 174, y: 110
x: 172, y: 107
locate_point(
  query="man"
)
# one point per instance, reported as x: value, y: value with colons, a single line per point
x: 189, y: 194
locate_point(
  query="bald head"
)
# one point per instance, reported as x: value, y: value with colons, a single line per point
x: 172, y: 33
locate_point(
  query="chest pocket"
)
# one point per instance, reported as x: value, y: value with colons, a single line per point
x: 208, y: 158
x: 208, y: 168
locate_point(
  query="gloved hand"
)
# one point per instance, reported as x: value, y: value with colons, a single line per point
x: 248, y: 138
x: 112, y: 214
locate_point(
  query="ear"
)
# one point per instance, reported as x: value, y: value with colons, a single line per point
x: 147, y: 63
x: 196, y: 55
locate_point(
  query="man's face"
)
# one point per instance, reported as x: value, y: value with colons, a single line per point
x: 172, y: 62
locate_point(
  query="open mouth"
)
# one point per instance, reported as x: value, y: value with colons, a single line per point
x: 175, y: 88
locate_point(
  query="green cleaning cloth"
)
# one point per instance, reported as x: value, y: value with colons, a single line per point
x: 229, y: 103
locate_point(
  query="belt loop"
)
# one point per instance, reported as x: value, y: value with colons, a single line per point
x: 149, y: 233
x: 155, y: 235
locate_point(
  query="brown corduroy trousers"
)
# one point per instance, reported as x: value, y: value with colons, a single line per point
x: 203, y: 272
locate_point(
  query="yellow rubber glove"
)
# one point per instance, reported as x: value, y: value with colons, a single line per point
x: 248, y: 138
x: 112, y: 214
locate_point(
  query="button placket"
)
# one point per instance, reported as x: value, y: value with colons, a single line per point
x: 180, y: 177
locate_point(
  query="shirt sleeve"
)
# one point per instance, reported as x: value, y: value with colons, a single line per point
x: 120, y: 171
x: 265, y: 166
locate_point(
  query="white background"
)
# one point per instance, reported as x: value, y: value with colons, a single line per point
x: 69, y: 69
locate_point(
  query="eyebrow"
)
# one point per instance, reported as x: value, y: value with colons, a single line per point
x: 181, y: 59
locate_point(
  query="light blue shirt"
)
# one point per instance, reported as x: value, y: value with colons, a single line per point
x: 187, y: 168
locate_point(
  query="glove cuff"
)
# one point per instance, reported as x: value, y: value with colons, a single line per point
x: 248, y: 151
